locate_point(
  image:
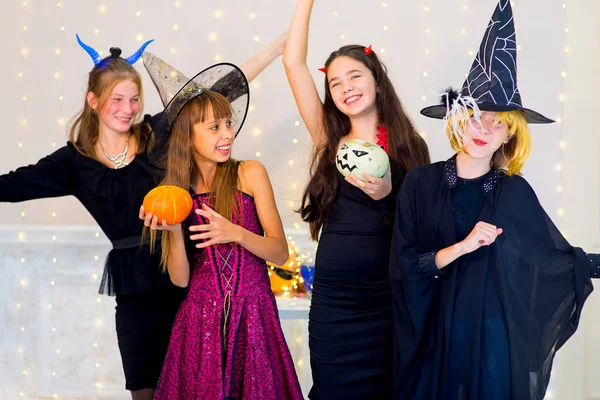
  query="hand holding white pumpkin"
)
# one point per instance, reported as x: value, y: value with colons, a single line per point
x: 366, y: 166
x: 376, y: 188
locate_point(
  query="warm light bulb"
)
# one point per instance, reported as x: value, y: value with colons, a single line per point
x: 258, y: 154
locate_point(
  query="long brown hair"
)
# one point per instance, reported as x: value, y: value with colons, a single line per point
x: 406, y: 148
x: 180, y: 158
x: 102, y: 79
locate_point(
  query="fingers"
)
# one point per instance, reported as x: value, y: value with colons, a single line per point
x: 205, y: 227
x: 206, y: 244
x: 372, y: 179
x: 486, y: 233
x: 200, y: 236
x: 142, y: 216
x: 148, y: 219
x: 154, y: 223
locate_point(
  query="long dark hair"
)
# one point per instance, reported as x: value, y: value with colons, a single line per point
x: 406, y: 148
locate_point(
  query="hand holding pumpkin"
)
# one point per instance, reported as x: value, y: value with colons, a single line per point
x: 376, y: 188
x: 151, y: 221
x: 218, y: 230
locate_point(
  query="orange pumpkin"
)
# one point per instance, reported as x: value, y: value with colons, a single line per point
x: 169, y: 203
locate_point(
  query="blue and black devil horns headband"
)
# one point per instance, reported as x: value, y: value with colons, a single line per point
x: 114, y: 52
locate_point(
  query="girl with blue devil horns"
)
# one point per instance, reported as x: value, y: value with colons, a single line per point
x: 105, y: 166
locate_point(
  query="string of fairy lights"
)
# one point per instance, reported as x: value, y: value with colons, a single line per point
x: 23, y: 121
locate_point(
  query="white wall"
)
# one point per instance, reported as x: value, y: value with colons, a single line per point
x: 182, y: 28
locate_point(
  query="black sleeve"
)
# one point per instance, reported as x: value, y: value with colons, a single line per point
x: 594, y: 265
x: 413, y: 274
x: 52, y: 176
x: 561, y: 272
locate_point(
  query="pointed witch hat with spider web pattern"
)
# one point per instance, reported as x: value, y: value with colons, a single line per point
x: 491, y: 84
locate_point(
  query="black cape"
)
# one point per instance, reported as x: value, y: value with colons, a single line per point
x: 540, y: 283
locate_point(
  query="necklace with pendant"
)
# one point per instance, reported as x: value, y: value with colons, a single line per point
x: 119, y: 159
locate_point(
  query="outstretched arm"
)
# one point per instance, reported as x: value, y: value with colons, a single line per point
x: 303, y: 87
x: 52, y: 176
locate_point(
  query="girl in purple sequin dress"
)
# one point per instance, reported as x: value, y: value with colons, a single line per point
x: 227, y: 341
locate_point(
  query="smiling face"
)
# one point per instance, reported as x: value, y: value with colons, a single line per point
x: 118, y: 111
x: 352, y: 86
x: 484, y: 137
x: 212, y: 138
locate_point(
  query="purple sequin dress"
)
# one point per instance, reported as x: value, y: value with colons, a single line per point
x: 227, y: 341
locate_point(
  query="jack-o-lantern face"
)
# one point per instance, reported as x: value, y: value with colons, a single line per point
x: 358, y: 156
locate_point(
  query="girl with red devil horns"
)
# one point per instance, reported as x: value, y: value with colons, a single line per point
x: 350, y: 322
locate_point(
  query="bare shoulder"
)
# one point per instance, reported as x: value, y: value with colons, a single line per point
x: 252, y: 175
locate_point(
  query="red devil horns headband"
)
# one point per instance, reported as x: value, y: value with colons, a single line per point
x: 367, y: 50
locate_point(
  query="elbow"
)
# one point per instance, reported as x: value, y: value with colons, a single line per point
x: 282, y: 256
x: 181, y: 282
x: 291, y: 63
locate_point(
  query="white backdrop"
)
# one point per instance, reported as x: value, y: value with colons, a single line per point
x: 426, y: 44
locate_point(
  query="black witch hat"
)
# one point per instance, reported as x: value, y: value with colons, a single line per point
x: 491, y: 84
x: 176, y: 90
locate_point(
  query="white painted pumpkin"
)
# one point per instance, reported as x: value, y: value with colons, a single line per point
x: 358, y: 156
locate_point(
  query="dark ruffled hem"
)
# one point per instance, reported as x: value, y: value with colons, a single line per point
x: 131, y: 271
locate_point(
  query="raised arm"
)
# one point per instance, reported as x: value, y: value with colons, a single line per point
x: 303, y: 87
x: 259, y: 62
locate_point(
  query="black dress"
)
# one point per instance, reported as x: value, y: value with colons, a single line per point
x: 350, y: 321
x: 488, y: 325
x: 146, y: 299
